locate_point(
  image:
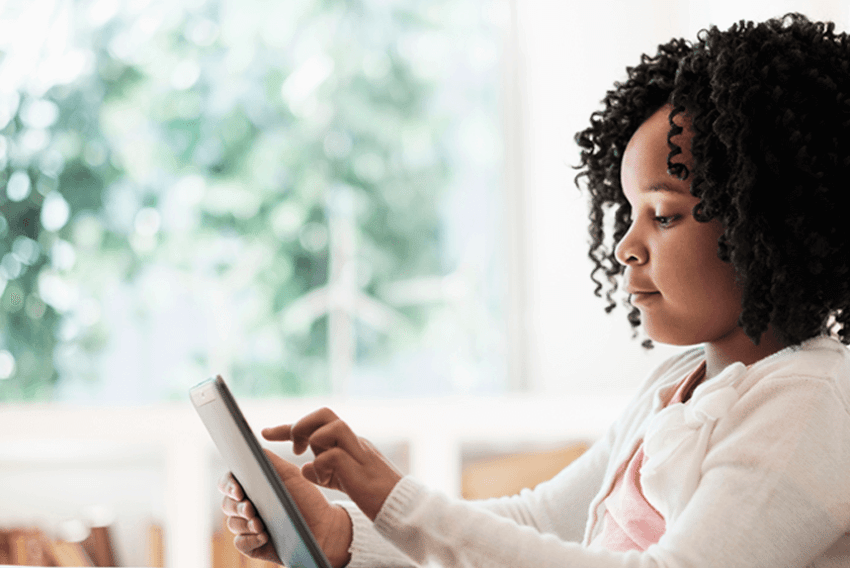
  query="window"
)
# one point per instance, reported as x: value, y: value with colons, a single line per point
x: 304, y: 196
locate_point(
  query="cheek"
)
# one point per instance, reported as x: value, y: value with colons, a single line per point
x: 704, y: 306
x: 702, y: 278
x: 716, y: 292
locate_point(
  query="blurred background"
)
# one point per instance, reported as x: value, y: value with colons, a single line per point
x: 305, y: 197
x: 364, y: 203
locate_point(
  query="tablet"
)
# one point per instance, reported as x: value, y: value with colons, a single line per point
x: 290, y: 536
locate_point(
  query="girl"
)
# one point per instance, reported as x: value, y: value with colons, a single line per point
x: 715, y: 174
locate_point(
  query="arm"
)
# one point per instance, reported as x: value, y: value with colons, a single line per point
x: 560, y: 505
x: 572, y: 490
x: 425, y: 526
x: 368, y: 548
x: 774, y: 492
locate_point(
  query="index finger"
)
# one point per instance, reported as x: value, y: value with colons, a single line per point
x: 322, y: 430
x: 299, y: 433
x: 304, y: 428
x: 280, y: 433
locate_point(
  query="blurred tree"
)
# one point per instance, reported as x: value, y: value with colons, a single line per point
x: 291, y: 154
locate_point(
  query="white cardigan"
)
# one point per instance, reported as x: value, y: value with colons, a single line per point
x: 754, y: 470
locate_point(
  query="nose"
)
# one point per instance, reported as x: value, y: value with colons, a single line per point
x: 630, y: 250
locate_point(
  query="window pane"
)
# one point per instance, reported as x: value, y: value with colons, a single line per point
x: 304, y: 196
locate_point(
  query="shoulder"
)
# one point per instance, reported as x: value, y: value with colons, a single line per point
x: 815, y: 357
x: 793, y: 411
x: 821, y: 362
x: 805, y: 388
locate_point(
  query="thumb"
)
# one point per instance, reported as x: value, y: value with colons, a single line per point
x: 284, y: 469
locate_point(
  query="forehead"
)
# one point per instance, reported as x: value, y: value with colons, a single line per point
x: 644, y: 165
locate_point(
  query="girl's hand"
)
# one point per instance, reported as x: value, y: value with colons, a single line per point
x: 343, y: 461
x: 329, y: 523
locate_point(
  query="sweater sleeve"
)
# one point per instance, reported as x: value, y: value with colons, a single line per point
x: 368, y: 548
x: 774, y: 491
x: 558, y: 506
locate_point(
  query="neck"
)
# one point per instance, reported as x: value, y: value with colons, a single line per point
x: 737, y: 347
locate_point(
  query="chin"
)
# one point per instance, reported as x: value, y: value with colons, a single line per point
x: 674, y: 342
x: 673, y: 337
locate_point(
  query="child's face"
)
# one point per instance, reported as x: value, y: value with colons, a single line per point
x: 685, y: 293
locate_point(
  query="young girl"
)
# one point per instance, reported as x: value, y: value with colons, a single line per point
x: 718, y: 175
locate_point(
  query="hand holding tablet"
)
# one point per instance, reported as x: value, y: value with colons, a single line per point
x: 300, y: 527
x: 329, y: 523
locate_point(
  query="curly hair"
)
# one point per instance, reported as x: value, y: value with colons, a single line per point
x: 769, y: 107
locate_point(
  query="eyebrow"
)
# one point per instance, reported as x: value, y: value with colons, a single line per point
x: 663, y: 187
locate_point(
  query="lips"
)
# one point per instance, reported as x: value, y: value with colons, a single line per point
x: 634, y: 283
x: 633, y: 287
x: 640, y: 291
x: 639, y: 297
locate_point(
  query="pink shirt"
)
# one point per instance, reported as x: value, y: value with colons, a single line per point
x: 630, y: 522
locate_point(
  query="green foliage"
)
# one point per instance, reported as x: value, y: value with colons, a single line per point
x: 208, y: 139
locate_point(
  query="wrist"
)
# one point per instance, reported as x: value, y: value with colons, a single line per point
x: 338, y: 551
x: 374, y: 500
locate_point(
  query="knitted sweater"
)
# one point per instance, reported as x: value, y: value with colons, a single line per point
x: 754, y: 470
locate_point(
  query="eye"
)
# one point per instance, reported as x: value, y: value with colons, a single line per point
x: 665, y: 221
